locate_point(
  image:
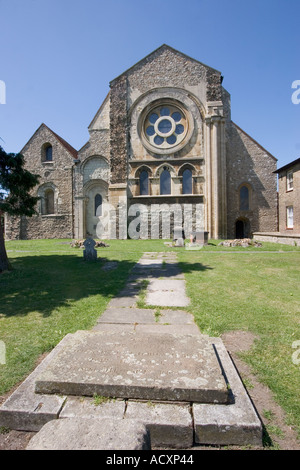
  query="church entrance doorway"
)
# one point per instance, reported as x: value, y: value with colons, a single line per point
x: 242, y: 228
x: 95, y: 197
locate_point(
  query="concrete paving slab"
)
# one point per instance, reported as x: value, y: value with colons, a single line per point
x: 170, y: 425
x: 136, y: 365
x: 91, y: 434
x: 233, y: 424
x: 167, y: 293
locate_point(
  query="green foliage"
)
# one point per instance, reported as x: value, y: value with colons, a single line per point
x: 15, y: 185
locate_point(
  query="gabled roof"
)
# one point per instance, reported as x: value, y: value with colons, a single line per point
x: 255, y: 141
x: 99, y: 110
x: 67, y: 146
x: 288, y: 165
x: 161, y: 49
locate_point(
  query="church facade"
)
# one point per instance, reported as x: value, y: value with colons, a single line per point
x: 162, y: 149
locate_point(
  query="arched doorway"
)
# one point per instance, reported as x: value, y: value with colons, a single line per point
x: 95, y: 196
x: 242, y: 228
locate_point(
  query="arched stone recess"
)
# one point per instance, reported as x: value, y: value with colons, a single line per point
x: 143, y: 168
x: 95, y: 194
x: 180, y: 102
x: 244, y: 197
x: 187, y: 166
x: 49, y: 199
x: 95, y: 167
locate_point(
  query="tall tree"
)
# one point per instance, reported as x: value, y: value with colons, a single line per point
x: 15, y: 199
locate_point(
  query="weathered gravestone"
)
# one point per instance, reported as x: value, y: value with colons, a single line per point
x: 178, y: 232
x: 199, y: 238
x: 89, y: 254
x: 202, y: 237
x: 179, y: 242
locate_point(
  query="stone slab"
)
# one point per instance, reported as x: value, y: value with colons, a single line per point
x: 123, y: 301
x: 127, y: 315
x: 24, y: 410
x: 149, y: 263
x: 85, y: 407
x: 167, y: 293
x: 166, y: 328
x: 176, y: 317
x: 170, y: 425
x: 146, y: 316
x: 116, y: 327
x: 233, y: 424
x: 91, y: 434
x: 136, y: 365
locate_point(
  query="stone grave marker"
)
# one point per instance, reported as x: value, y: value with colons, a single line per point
x: 89, y: 253
x: 136, y: 364
x: 201, y: 237
x: 178, y: 233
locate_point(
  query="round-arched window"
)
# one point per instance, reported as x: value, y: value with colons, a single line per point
x: 244, y: 198
x: 144, y: 183
x: 165, y: 182
x: 187, y: 182
x: 98, y: 205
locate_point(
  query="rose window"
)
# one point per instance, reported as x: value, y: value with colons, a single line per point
x: 165, y: 126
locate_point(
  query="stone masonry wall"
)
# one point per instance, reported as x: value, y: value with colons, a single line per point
x: 289, y: 198
x: 118, y: 131
x: 57, y: 174
x: 248, y: 162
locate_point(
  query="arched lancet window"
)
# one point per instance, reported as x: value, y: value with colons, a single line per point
x: 144, y: 183
x: 244, y: 198
x: 187, y: 182
x: 98, y: 205
x: 165, y: 182
x: 48, y: 153
x: 49, y: 202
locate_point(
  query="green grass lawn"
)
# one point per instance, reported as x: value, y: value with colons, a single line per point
x: 258, y: 292
x: 52, y: 291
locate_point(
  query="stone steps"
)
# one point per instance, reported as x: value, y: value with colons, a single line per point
x: 136, y: 364
x: 174, y: 425
x: 125, y: 370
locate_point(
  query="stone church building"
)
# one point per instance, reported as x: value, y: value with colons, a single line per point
x: 162, y: 140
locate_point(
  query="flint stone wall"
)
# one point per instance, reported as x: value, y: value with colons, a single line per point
x: 58, y: 173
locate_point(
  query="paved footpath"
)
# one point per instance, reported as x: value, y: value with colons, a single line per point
x: 170, y: 383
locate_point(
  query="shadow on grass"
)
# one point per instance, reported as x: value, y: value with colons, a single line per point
x: 44, y: 283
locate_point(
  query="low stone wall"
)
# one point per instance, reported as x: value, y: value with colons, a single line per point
x: 38, y: 227
x: 277, y: 237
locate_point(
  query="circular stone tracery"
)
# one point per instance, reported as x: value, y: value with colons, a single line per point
x: 165, y: 126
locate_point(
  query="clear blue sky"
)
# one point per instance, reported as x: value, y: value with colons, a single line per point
x: 57, y: 58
